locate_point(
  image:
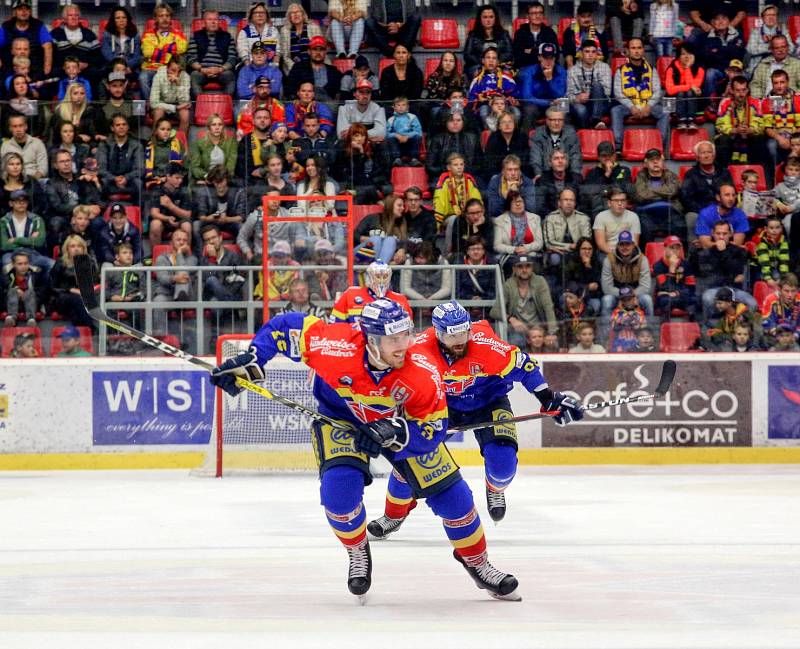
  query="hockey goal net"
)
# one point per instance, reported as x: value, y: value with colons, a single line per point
x: 255, y: 434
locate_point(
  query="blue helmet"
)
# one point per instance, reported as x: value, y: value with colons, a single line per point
x: 450, y: 318
x: 384, y: 317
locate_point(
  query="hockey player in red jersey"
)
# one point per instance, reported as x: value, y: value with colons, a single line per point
x: 377, y: 279
x: 388, y: 396
x: 479, y: 370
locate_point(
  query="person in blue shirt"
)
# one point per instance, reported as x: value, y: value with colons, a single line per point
x: 723, y: 210
x: 543, y: 83
x: 404, y: 134
x: 257, y: 68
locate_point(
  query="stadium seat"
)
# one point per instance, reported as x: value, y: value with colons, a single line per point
x: 344, y: 65
x: 7, y: 335
x: 57, y: 22
x: 589, y: 139
x: 208, y: 104
x: 101, y: 27
x: 518, y: 22
x: 176, y: 26
x: 233, y: 248
x: 181, y: 137
x: 635, y: 173
x: 405, y: 177
x: 160, y: 249
x: 637, y: 141
x: 383, y: 64
x: 470, y: 25
x: 360, y: 212
x: 133, y: 212
x: 761, y: 291
x: 662, y: 63
x: 439, y: 34
x: 749, y: 24
x: 794, y: 27
x: 679, y: 336
x: 736, y: 172
x: 432, y: 63
x: 683, y: 141
x: 85, y: 340
x: 197, y: 24
x: 682, y: 171
x: 616, y: 62
x: 563, y: 23
x: 654, y: 251
x: 485, y: 138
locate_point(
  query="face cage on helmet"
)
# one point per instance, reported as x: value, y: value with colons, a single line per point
x: 378, y: 281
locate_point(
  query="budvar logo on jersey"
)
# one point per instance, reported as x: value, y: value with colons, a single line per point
x: 151, y: 408
x: 708, y: 404
x: 784, y: 402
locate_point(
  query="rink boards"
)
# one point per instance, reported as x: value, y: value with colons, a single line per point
x: 158, y: 413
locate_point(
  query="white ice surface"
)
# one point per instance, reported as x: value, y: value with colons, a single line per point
x: 644, y: 557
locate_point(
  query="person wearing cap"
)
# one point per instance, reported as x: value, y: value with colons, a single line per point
x: 258, y: 71
x: 626, y: 266
x: 760, y: 40
x: 326, y: 284
x: 489, y: 80
x: 785, y: 339
x: 674, y: 280
x: 118, y: 230
x: 169, y: 206
x: 589, y: 87
x: 71, y: 344
x: 326, y: 78
x: 656, y: 197
x: 160, y: 44
x: 279, y: 280
x: 627, y: 318
x: 542, y: 84
x: 718, y: 47
x: 347, y: 21
x: 605, y: 175
x: 118, y: 98
x: 121, y: 40
x: 530, y: 36
x: 780, y: 58
x: 22, y: 24
x: 259, y: 29
x: 211, y: 56
x: 528, y: 302
x: 362, y: 110
x: 24, y: 286
x: 730, y: 311
x: 361, y: 70
x: 554, y: 134
x: 683, y: 79
x: 637, y: 89
x: 583, y: 28
x: 170, y: 93
x: 120, y: 160
x: 392, y: 20
x: 723, y: 264
x: 262, y: 99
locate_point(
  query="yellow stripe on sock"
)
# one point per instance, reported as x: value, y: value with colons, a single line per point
x: 472, y: 539
x: 350, y: 535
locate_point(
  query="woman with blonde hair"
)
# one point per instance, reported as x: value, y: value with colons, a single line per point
x: 89, y: 122
x: 13, y: 176
x: 296, y: 34
x: 215, y: 148
x: 259, y: 29
x: 66, y: 298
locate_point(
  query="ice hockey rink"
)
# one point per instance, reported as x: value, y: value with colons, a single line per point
x: 629, y: 557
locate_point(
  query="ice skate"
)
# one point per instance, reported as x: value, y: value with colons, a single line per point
x: 496, y: 504
x: 359, y: 575
x: 382, y: 527
x: 500, y: 585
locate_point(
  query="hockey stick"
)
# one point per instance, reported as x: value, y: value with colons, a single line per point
x: 667, y: 375
x: 83, y: 276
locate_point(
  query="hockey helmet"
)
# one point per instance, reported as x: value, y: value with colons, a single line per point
x: 452, y: 323
x: 383, y: 318
x: 379, y: 276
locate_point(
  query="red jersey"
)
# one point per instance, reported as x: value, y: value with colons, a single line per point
x: 350, y: 303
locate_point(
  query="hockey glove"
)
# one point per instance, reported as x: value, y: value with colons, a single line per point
x: 244, y: 365
x: 568, y: 409
x: 391, y: 433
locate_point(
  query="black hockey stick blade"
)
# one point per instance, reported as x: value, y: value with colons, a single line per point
x: 83, y: 276
x: 667, y: 375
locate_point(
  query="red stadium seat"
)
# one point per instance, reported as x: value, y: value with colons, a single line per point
x: 683, y: 141
x: 485, y: 138
x: 405, y: 177
x: 637, y: 141
x: 176, y: 25
x: 470, y: 25
x: 85, y: 340
x: 654, y: 251
x: 439, y: 34
x: 662, y: 63
x: 432, y: 63
x: 101, y: 28
x: 233, y: 248
x: 7, y: 335
x: 682, y: 171
x: 181, y: 137
x: 383, y: 64
x: 57, y: 22
x: 133, y: 212
x: 794, y: 27
x: 360, y: 212
x: 679, y: 336
x: 616, y: 62
x: 197, y: 24
x: 589, y: 140
x: 518, y: 22
x: 750, y: 23
x: 761, y: 291
x: 562, y: 25
x: 737, y: 171
x: 635, y: 171
x: 344, y: 65
x: 160, y: 249
x: 208, y: 104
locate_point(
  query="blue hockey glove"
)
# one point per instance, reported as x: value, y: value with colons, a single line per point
x: 391, y: 433
x: 244, y: 365
x: 568, y: 409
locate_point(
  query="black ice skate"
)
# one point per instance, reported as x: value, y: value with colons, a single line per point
x: 496, y: 504
x: 500, y: 585
x: 382, y: 527
x: 359, y: 576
